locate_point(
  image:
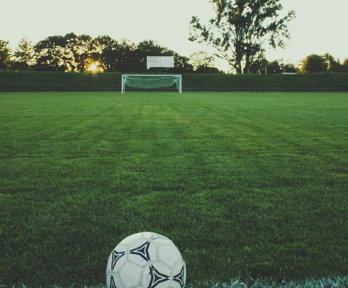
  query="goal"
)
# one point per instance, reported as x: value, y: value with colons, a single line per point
x: 151, y: 81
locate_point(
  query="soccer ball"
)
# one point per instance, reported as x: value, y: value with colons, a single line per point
x: 145, y: 260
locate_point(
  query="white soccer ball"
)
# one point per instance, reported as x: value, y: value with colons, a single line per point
x: 145, y: 260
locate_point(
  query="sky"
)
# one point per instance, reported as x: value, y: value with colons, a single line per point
x: 320, y: 26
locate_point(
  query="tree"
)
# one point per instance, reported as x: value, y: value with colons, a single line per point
x: 241, y: 28
x: 202, y: 62
x: 24, y: 56
x: 63, y: 53
x: 259, y: 65
x: 313, y: 64
x: 332, y: 65
x: 181, y: 64
x: 121, y: 57
x: 72, y: 52
x: 273, y: 67
x: 76, y: 52
x: 345, y: 65
x: 98, y: 48
x: 5, y: 56
x: 83, y: 57
x: 289, y: 68
x: 150, y: 48
x: 50, y: 54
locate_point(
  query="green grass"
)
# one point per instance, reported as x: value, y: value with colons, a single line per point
x: 337, y: 282
x: 246, y: 184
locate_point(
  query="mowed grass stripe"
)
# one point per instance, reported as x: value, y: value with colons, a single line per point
x: 244, y: 183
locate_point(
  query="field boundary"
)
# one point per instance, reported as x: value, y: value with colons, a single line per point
x: 21, y: 81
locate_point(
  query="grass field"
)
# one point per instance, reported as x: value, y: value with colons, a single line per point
x: 244, y: 183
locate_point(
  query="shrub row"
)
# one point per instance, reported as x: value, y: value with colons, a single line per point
x: 61, y: 81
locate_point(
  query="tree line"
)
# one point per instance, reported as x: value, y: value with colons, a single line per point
x: 81, y: 53
x: 313, y: 63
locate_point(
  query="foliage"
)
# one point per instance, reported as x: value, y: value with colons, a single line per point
x: 273, y: 67
x: 24, y: 56
x: 345, y: 65
x: 244, y: 183
x: 259, y: 65
x: 78, y: 53
x: 240, y: 28
x: 49, y: 54
x: 123, y: 57
x: 60, y: 81
x: 326, y: 63
x: 5, y: 57
x: 202, y: 62
x: 290, y: 68
x: 277, y: 66
x: 151, y: 48
x: 102, y: 51
x: 82, y: 53
x: 63, y: 53
x: 332, y: 65
x: 313, y: 64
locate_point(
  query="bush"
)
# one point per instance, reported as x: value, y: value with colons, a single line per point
x: 111, y: 81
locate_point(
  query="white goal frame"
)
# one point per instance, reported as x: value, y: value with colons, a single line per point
x: 124, y: 76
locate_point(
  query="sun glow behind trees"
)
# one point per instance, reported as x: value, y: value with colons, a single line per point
x: 94, y: 67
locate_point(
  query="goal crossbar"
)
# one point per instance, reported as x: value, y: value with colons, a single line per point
x: 150, y: 81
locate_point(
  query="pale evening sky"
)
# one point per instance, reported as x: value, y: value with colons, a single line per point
x: 320, y: 26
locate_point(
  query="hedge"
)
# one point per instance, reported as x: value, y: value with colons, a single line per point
x: 111, y: 81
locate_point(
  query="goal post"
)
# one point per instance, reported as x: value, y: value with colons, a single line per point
x: 151, y: 81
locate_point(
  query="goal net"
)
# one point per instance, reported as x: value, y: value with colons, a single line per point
x: 147, y: 81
